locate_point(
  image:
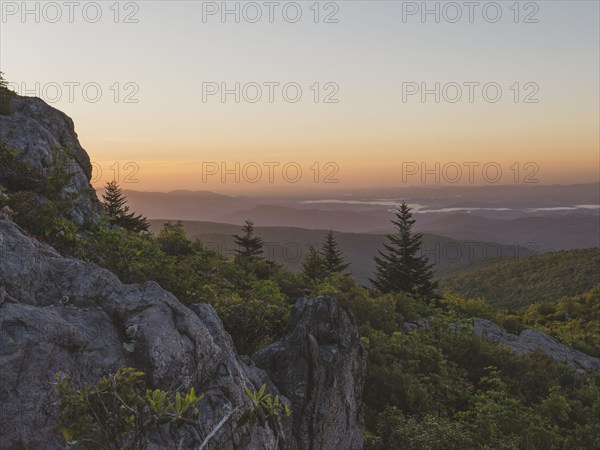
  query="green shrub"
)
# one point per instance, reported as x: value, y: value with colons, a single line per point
x: 118, y: 412
x: 253, y: 322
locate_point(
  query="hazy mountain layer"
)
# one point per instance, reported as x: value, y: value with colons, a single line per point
x: 546, y: 218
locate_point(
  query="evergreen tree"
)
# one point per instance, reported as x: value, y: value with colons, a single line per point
x: 6, y: 96
x: 332, y: 256
x: 117, y: 211
x: 5, y: 92
x: 314, y: 265
x: 3, y: 83
x: 248, y: 245
x: 400, y: 269
x: 113, y: 200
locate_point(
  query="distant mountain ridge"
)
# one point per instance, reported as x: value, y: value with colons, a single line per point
x: 536, y: 216
x: 282, y: 216
x: 546, y: 233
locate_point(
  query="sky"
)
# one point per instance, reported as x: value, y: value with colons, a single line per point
x: 352, y: 93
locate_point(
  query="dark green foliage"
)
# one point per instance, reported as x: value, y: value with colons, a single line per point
x: 521, y: 282
x: 3, y: 197
x: 249, y: 247
x: 319, y: 265
x: 575, y: 320
x: 131, y: 256
x: 61, y: 175
x: 6, y: 96
x: 173, y: 241
x: 17, y: 175
x: 39, y: 201
x: 119, y: 412
x: 435, y: 389
x: 332, y: 256
x: 400, y: 268
x: 265, y: 410
x: 67, y: 238
x: 397, y: 431
x: 114, y: 200
x: 256, y: 317
x: 313, y: 266
x: 3, y: 83
x: 117, y: 211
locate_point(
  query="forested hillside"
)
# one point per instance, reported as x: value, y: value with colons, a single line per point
x: 520, y: 282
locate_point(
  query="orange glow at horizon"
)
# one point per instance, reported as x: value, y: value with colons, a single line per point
x: 555, y: 157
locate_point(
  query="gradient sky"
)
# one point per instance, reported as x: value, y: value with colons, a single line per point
x: 369, y: 54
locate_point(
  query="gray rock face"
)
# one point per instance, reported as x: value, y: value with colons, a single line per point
x: 63, y: 315
x: 525, y: 342
x: 320, y: 366
x: 529, y: 340
x: 34, y: 129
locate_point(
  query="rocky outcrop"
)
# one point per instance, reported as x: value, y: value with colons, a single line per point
x: 525, y: 342
x: 530, y: 340
x: 36, y: 131
x: 320, y: 367
x: 63, y: 315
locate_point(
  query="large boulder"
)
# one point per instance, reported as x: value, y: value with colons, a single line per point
x: 63, y: 315
x: 526, y: 341
x: 42, y: 136
x: 530, y: 340
x: 320, y: 366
